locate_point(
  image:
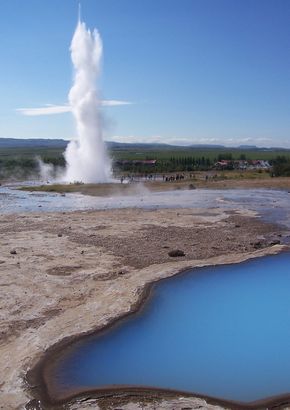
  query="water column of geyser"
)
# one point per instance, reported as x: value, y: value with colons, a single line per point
x: 86, y: 158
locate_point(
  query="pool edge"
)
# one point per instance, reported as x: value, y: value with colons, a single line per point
x: 37, y: 378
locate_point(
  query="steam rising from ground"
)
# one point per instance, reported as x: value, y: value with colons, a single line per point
x: 48, y: 172
x: 86, y: 158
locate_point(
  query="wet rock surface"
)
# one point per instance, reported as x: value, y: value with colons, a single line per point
x: 169, y: 403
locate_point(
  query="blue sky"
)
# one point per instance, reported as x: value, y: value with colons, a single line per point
x: 196, y: 71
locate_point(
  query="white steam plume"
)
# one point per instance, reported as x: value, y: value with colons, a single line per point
x: 86, y: 158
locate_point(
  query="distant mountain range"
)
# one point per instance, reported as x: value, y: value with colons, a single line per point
x: 60, y: 143
x: 32, y: 142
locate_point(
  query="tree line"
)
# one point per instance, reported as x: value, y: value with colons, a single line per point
x: 23, y: 167
x: 281, y: 166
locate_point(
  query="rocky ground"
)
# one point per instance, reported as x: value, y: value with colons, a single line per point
x: 63, y: 274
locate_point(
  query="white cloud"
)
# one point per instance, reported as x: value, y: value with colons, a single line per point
x: 50, y: 109
x: 131, y: 139
x: 47, y: 110
x: 185, y: 141
x: 158, y: 139
x: 112, y: 103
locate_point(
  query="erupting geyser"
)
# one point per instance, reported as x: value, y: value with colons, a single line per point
x: 86, y: 158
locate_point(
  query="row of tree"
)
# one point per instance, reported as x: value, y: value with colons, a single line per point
x: 26, y: 167
x: 281, y: 166
x: 173, y: 164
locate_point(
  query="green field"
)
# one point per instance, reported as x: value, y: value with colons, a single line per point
x: 21, y: 161
x: 149, y: 152
x: 211, y: 153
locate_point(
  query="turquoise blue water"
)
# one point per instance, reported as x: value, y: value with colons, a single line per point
x: 220, y: 331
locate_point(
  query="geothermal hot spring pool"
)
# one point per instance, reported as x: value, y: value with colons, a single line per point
x: 220, y: 331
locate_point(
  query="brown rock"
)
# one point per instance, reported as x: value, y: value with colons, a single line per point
x: 275, y: 242
x: 176, y: 253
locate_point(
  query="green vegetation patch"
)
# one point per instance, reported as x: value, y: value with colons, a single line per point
x: 20, y: 162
